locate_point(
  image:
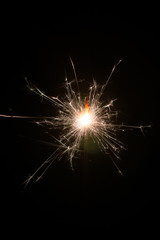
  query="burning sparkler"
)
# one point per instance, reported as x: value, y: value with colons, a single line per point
x: 79, y: 117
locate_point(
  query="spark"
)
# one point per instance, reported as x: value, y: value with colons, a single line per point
x: 77, y: 118
x: 84, y: 120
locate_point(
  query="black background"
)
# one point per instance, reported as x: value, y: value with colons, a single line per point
x: 37, y: 44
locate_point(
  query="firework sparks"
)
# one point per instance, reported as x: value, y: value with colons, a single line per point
x: 79, y: 117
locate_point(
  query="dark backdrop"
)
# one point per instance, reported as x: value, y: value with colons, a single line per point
x: 37, y: 44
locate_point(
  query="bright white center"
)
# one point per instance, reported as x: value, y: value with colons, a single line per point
x: 85, y: 120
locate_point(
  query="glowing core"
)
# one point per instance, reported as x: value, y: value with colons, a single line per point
x: 84, y: 119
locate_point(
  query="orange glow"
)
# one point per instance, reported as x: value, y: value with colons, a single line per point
x: 86, y: 104
x: 84, y: 119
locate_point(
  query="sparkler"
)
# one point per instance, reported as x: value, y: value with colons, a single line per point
x: 79, y: 117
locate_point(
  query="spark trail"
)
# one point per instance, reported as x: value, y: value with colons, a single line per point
x: 79, y: 117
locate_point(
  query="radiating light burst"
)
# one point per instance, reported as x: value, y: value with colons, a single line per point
x: 84, y: 120
x: 77, y: 118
